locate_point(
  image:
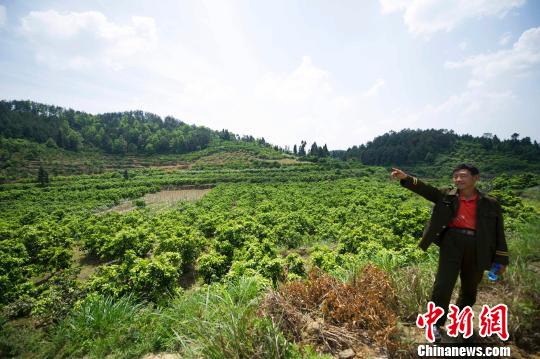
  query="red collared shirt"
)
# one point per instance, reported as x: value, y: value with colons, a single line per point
x: 466, y: 215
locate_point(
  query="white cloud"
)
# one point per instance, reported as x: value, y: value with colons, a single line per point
x: 389, y: 6
x: 303, y: 101
x: 203, y: 86
x: 490, y: 96
x: 306, y: 101
x: 3, y: 15
x: 211, y: 74
x: 278, y: 106
x: 305, y: 82
x: 523, y: 57
x: 374, y: 90
x: 505, y: 38
x: 426, y: 17
x: 463, y: 45
x: 77, y: 40
x: 473, y: 111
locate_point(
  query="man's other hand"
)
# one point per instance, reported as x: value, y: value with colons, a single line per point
x: 397, y: 173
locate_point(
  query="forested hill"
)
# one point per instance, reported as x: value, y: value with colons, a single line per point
x: 132, y: 132
x: 430, y: 150
x: 34, y: 134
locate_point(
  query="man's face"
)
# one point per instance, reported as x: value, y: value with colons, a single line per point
x: 463, y: 179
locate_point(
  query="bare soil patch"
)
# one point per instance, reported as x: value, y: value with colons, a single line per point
x: 163, y: 199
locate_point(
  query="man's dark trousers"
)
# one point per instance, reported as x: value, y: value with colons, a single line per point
x: 457, y: 255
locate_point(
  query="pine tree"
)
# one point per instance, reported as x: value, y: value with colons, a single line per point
x: 314, y: 151
x: 43, y: 177
x: 302, y: 150
x: 325, y: 151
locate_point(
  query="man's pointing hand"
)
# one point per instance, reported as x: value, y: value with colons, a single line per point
x: 397, y: 173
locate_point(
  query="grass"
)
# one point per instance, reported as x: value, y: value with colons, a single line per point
x: 413, y: 285
x: 519, y: 288
x: 99, y: 326
x: 523, y: 281
x: 531, y: 196
x: 221, y: 320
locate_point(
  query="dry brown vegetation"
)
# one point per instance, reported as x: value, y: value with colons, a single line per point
x: 337, y: 317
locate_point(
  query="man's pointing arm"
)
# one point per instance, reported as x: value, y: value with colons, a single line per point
x: 414, y: 184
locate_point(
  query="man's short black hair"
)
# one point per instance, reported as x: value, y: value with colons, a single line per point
x: 472, y: 169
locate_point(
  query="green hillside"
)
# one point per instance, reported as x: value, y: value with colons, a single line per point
x: 435, y: 152
x: 65, y: 141
x: 237, y: 249
x: 21, y: 158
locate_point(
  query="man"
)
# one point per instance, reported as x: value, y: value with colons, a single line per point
x: 467, y: 225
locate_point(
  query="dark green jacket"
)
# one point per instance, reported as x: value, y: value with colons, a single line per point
x: 490, y: 240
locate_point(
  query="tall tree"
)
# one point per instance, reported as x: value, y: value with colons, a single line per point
x: 325, y: 151
x: 314, y: 150
x: 302, y: 150
x: 43, y: 176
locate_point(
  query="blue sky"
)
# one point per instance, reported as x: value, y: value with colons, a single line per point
x: 333, y: 72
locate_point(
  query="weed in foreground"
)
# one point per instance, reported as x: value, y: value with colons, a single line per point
x: 334, y: 316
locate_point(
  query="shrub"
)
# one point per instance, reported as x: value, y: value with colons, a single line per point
x: 325, y: 258
x: 13, y: 257
x: 139, y: 240
x: 212, y: 266
x: 367, y: 232
x: 184, y: 241
x: 295, y: 264
x: 148, y: 278
x: 257, y: 257
x: 140, y: 203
